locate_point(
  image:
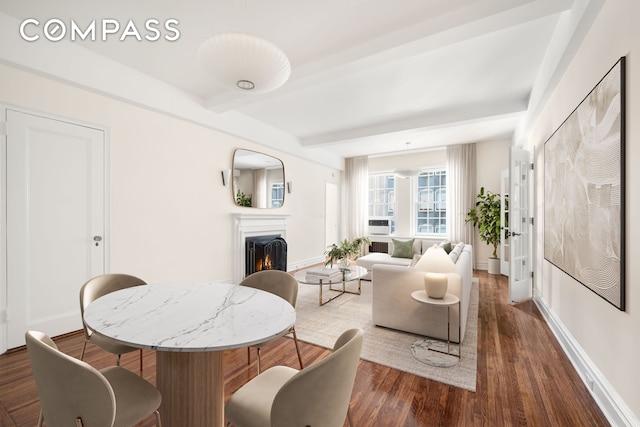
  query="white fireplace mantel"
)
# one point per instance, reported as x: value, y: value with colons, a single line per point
x: 250, y: 225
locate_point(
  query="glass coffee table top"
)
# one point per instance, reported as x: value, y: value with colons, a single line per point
x: 331, y: 276
x: 354, y: 272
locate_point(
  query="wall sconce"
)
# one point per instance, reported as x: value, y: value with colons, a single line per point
x: 226, y: 174
x: 289, y: 187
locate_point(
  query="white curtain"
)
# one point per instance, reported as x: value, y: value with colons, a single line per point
x: 355, y: 197
x: 461, y: 189
x: 260, y: 186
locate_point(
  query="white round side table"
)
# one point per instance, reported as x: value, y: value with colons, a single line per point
x: 429, y: 350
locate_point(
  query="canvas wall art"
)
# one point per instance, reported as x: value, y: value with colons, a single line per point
x: 584, y: 191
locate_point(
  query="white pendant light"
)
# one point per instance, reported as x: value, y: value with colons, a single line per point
x: 406, y: 173
x: 244, y: 62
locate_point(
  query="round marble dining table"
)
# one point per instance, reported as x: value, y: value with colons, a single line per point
x: 189, y: 324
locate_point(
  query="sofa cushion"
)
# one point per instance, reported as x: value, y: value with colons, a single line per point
x: 417, y: 246
x: 456, y: 251
x: 446, y: 245
x: 368, y: 261
x: 403, y: 248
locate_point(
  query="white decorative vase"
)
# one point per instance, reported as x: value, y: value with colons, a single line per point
x: 435, y: 285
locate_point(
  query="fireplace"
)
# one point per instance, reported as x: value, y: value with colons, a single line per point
x: 249, y: 225
x: 265, y: 253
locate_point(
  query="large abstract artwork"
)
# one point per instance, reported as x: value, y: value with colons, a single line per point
x: 584, y: 191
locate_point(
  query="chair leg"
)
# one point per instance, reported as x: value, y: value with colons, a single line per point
x: 118, y: 360
x: 248, y: 355
x: 295, y: 341
x: 158, y: 420
x: 258, y: 351
x: 40, y: 419
x: 140, y: 362
x: 84, y: 346
x: 349, y: 417
x: 79, y: 422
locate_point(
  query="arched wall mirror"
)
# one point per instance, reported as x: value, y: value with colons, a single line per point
x: 258, y: 180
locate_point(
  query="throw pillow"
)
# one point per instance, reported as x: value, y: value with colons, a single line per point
x: 455, y: 252
x: 446, y: 245
x: 402, y: 249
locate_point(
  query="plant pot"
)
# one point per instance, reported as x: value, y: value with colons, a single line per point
x: 344, y: 263
x: 493, y: 266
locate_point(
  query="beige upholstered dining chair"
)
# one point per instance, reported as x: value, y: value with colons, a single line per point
x: 94, y: 289
x: 73, y: 393
x: 317, y: 395
x: 279, y: 283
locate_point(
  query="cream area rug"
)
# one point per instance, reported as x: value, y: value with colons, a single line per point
x: 323, y: 325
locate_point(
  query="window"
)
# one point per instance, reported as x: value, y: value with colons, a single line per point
x: 431, y: 202
x: 382, y: 198
x: 277, y: 195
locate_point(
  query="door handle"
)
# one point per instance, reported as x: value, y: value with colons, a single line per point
x: 97, y: 239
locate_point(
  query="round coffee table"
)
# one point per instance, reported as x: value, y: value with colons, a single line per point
x: 354, y: 272
x: 433, y: 351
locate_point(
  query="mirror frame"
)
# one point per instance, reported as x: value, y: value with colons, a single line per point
x: 254, y: 160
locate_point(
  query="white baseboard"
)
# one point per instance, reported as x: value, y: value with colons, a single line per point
x: 606, y: 397
x: 297, y: 265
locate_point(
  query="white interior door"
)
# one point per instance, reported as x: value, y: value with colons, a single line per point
x: 504, y: 220
x: 520, y: 225
x: 55, y: 201
x: 332, y: 214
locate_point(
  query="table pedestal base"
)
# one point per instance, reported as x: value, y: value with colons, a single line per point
x: 435, y: 353
x: 192, y: 388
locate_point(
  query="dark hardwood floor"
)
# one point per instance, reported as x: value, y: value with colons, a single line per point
x: 524, y: 378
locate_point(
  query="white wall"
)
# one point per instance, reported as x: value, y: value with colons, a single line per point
x: 492, y: 158
x: 170, y: 214
x: 607, y: 337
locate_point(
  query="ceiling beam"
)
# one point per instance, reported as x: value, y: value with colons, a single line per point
x: 425, y: 120
x: 463, y: 24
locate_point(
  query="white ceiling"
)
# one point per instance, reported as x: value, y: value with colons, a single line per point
x: 367, y: 76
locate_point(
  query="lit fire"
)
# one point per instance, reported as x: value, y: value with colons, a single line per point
x: 264, y: 264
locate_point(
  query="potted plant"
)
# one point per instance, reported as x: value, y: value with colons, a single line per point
x: 243, y: 199
x: 345, y: 251
x: 486, y: 216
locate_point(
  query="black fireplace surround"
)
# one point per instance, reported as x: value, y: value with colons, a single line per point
x: 265, y: 253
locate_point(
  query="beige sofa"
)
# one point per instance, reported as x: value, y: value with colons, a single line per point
x: 393, y: 307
